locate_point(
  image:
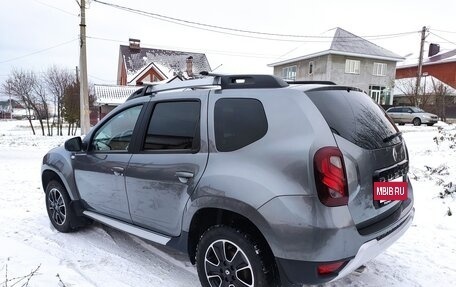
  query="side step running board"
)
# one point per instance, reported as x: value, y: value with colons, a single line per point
x: 138, y: 231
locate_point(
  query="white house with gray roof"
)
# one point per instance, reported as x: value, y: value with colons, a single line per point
x: 346, y: 59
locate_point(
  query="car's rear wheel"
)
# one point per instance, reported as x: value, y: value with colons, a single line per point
x: 228, y: 257
x: 58, y: 207
x: 416, y: 122
x: 401, y: 124
x: 430, y: 125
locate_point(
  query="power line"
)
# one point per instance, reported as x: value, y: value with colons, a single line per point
x: 451, y: 42
x: 53, y: 7
x: 444, y: 31
x: 100, y: 79
x: 218, y: 52
x: 37, y: 52
x: 234, y: 31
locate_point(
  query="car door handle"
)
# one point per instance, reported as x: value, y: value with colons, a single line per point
x: 117, y: 170
x: 184, y: 176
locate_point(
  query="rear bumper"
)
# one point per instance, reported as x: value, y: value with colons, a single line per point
x: 371, y: 249
x: 296, y: 272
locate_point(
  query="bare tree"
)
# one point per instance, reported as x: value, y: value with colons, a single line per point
x: 440, y: 91
x: 21, y: 85
x: 71, y: 107
x: 57, y: 81
x: 408, y: 87
x: 42, y: 97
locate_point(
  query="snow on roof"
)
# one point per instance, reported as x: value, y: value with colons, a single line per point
x: 428, y: 84
x: 113, y: 95
x: 442, y: 57
x: 166, y: 60
x: 341, y: 42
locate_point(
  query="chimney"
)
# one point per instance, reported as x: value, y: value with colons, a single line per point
x: 434, y: 49
x: 134, y: 44
x: 190, y: 66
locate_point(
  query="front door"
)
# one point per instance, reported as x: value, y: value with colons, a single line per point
x: 375, y: 95
x: 171, y: 158
x: 99, y: 173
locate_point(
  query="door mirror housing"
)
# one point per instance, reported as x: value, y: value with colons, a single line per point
x: 74, y: 144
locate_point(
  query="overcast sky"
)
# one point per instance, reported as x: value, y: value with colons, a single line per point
x: 27, y: 27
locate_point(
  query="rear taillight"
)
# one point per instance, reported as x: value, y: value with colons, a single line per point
x: 330, y: 176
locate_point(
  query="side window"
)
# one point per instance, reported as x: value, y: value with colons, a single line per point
x: 174, y: 126
x: 395, y: 110
x: 238, y: 123
x: 115, y: 135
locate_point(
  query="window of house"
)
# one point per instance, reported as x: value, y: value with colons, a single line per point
x: 379, y: 69
x: 174, y: 126
x: 352, y: 66
x: 289, y: 73
x: 311, y: 67
x: 238, y: 123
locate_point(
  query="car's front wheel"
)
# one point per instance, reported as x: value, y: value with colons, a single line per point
x: 228, y: 257
x: 58, y: 207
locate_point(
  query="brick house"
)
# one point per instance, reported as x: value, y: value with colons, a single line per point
x: 439, y: 64
x: 138, y: 64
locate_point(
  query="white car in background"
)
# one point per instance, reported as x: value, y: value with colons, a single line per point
x: 411, y: 115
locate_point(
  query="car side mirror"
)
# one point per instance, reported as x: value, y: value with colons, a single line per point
x: 74, y: 144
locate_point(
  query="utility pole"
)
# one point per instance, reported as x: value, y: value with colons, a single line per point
x: 77, y: 74
x: 420, y: 61
x: 84, y: 89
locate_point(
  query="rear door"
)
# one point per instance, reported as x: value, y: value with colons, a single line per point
x: 395, y: 114
x: 407, y: 115
x: 169, y: 161
x: 364, y: 134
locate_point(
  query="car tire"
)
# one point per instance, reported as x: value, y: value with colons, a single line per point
x: 229, y: 257
x: 58, y: 207
x: 402, y: 124
x: 416, y: 122
x: 430, y: 125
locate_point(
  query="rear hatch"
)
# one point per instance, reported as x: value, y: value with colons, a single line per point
x: 371, y: 144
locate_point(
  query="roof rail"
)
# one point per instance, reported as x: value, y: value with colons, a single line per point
x: 251, y: 82
x: 216, y: 80
x: 310, y: 83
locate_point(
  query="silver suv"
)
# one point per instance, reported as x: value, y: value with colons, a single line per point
x: 260, y: 182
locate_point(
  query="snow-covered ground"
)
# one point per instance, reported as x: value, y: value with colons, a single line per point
x: 101, y: 256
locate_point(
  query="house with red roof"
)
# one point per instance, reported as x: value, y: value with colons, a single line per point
x: 140, y: 64
x: 436, y: 63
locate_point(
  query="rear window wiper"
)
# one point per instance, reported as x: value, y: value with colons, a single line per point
x: 391, y: 137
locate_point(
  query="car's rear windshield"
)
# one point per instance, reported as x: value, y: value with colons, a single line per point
x: 355, y: 116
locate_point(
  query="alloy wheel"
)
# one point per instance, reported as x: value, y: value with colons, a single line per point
x: 57, y: 206
x: 226, y: 265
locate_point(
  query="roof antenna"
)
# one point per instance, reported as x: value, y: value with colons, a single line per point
x: 217, y: 67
